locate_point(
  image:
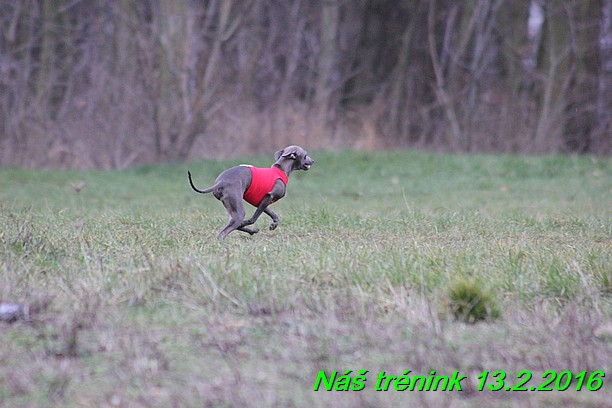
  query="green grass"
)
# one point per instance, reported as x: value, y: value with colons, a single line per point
x: 133, y: 302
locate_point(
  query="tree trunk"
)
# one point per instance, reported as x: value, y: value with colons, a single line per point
x: 601, y: 141
x: 327, y: 63
x: 518, y: 60
x: 441, y: 78
x: 398, y: 79
x: 557, y: 77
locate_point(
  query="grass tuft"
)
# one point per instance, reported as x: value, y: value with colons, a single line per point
x: 469, y: 301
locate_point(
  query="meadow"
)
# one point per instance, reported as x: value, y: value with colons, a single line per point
x: 387, y: 261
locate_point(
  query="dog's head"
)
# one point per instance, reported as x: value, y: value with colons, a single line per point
x: 301, y: 160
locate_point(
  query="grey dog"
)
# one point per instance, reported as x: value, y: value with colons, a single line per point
x: 259, y: 187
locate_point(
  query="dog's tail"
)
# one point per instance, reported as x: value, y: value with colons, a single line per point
x: 208, y: 190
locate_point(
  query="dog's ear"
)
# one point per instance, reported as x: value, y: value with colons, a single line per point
x: 278, y: 154
x: 290, y: 152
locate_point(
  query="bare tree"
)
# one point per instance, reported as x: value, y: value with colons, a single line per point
x: 116, y: 83
x: 185, y: 69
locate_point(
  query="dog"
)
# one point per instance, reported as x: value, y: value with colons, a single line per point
x: 260, y: 187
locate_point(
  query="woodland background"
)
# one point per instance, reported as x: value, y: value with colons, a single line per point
x: 114, y: 83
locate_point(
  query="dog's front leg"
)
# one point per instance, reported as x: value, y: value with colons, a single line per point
x: 275, y: 218
x: 267, y: 200
x: 278, y: 192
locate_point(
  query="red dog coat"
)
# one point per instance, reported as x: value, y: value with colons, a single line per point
x: 262, y: 181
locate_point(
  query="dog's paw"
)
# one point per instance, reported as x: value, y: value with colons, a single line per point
x: 254, y: 231
x: 273, y: 226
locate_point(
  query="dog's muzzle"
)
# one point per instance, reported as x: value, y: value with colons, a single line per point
x: 306, y: 165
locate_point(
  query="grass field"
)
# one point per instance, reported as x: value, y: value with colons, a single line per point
x: 383, y: 262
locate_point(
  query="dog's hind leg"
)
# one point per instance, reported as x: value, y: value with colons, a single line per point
x: 236, y: 216
x: 249, y: 230
x: 235, y: 209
